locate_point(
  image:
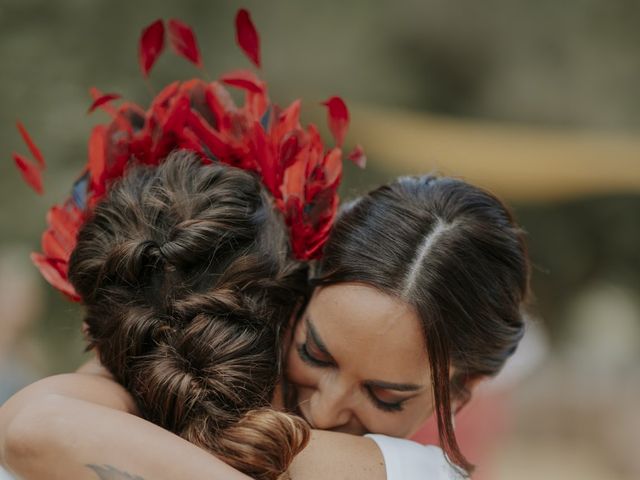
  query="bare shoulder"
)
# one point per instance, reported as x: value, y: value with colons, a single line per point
x: 339, y: 456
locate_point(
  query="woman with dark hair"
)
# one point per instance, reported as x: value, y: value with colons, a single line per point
x: 187, y: 279
x: 418, y: 297
x: 424, y: 271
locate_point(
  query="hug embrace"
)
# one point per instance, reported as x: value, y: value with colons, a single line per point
x: 243, y: 325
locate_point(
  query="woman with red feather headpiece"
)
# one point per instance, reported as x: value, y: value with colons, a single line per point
x: 424, y: 272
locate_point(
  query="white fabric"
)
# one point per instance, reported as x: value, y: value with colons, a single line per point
x: 4, y: 475
x: 408, y: 460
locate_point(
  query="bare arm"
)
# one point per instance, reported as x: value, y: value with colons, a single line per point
x: 62, y: 438
x: 79, y: 426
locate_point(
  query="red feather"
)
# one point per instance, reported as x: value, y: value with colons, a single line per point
x: 338, y: 118
x: 263, y: 153
x: 165, y: 95
x: 176, y: 114
x: 65, y: 220
x: 358, y: 156
x: 294, y: 178
x: 244, y: 79
x: 288, y: 120
x: 289, y: 150
x: 184, y: 41
x: 51, y: 245
x: 30, y: 172
x: 35, y: 151
x: 247, y: 36
x: 209, y: 136
x: 333, y: 167
x: 102, y: 100
x: 97, y: 158
x: 55, y: 272
x: 96, y: 94
x: 190, y: 141
x: 151, y: 46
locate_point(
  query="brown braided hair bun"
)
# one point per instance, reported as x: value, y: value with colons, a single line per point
x: 187, y: 279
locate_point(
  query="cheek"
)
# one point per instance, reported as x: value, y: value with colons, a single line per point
x: 417, y: 419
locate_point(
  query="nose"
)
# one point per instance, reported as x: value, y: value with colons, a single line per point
x: 329, y: 407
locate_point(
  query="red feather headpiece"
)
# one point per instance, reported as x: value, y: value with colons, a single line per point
x: 257, y: 136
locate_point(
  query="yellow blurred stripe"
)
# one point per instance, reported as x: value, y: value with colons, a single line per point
x: 515, y: 161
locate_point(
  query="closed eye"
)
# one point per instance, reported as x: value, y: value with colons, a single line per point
x: 381, y: 404
x: 307, y: 357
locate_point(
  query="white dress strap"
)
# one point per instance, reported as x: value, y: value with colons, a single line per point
x: 408, y: 460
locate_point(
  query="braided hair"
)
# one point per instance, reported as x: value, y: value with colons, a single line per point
x: 186, y: 276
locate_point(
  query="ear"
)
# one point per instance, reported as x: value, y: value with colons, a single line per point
x: 470, y: 383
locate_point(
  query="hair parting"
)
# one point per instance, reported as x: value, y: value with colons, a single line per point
x: 416, y: 265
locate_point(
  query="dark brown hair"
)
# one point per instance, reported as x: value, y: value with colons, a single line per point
x: 453, y: 252
x: 186, y: 276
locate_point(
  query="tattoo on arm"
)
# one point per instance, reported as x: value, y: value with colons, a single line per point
x: 109, y: 472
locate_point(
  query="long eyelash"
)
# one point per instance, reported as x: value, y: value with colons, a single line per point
x: 306, y: 357
x: 386, y: 406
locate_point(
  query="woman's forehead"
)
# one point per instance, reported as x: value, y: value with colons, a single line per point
x: 369, y: 331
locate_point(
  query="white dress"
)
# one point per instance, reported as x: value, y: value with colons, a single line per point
x: 4, y: 475
x: 408, y: 460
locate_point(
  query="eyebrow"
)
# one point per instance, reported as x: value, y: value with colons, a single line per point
x: 400, y: 387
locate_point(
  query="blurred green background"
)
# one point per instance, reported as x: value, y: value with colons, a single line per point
x: 537, y: 101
